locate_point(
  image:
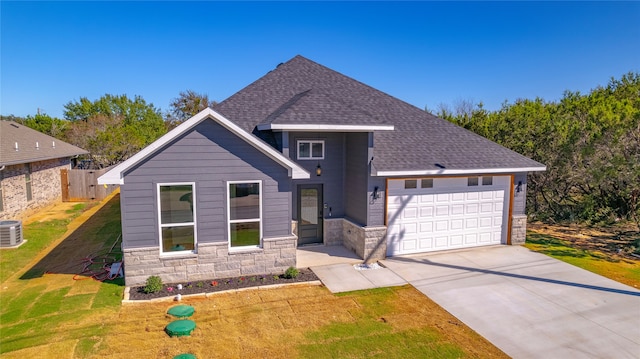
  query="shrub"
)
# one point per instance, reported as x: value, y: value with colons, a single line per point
x: 291, y: 272
x: 153, y: 284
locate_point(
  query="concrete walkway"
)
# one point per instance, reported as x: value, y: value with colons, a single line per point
x: 346, y: 278
x: 527, y: 304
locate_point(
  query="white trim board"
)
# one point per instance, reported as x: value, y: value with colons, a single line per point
x: 477, y: 171
x: 325, y: 128
x: 115, y: 175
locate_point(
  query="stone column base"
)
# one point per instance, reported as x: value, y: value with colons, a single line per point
x: 518, y: 229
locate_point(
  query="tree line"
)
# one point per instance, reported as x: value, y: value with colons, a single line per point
x: 115, y: 127
x: 590, y: 144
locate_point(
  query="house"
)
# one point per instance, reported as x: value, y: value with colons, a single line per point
x: 306, y: 155
x: 30, y: 164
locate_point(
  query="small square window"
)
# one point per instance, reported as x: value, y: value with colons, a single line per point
x: 426, y: 183
x: 472, y: 181
x: 310, y: 150
x: 408, y: 184
x: 487, y: 180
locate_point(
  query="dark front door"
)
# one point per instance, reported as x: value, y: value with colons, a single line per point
x: 309, y: 214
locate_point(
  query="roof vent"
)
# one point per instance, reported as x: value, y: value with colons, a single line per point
x: 37, y: 145
x: 53, y: 143
x: 16, y: 146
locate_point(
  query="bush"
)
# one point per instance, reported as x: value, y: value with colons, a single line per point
x: 153, y: 284
x: 291, y: 273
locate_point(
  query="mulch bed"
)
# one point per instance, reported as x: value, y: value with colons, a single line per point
x: 221, y: 284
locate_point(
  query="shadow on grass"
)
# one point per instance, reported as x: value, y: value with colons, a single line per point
x: 88, y: 250
x: 552, y: 246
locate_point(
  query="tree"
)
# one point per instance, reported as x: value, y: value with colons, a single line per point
x: 186, y: 105
x: 589, y: 143
x: 44, y: 123
x: 113, y: 128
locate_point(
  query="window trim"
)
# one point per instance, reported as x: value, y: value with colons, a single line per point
x: 310, y: 142
x: 182, y: 224
x: 230, y: 221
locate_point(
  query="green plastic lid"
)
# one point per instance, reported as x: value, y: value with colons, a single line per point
x: 179, y: 328
x: 185, y: 356
x: 181, y: 311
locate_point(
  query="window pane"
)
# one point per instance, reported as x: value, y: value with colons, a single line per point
x: 487, y: 181
x: 472, y: 181
x: 408, y: 184
x: 177, y: 239
x: 316, y: 150
x: 309, y: 206
x: 245, y: 234
x: 244, y: 201
x: 427, y: 183
x: 303, y: 150
x: 176, y: 204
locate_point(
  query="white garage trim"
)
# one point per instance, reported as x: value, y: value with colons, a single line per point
x: 450, y: 213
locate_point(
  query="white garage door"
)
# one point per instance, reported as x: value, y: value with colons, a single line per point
x: 445, y: 213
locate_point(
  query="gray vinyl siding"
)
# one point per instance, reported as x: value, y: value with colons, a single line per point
x: 356, y: 173
x: 376, y: 207
x: 332, y: 178
x: 520, y: 198
x: 208, y: 155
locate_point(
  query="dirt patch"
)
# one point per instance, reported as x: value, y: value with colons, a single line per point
x: 620, y: 241
x: 223, y: 284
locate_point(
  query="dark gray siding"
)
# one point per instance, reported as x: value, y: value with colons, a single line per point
x: 376, y: 206
x: 208, y: 155
x: 332, y: 178
x: 520, y: 198
x: 356, y: 173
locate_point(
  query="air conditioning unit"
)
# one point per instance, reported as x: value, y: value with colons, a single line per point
x: 10, y: 233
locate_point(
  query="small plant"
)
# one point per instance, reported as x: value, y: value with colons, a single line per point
x: 291, y: 273
x: 276, y: 277
x: 214, y: 283
x: 189, y: 285
x: 200, y: 285
x: 169, y: 289
x: 253, y: 279
x: 153, y: 284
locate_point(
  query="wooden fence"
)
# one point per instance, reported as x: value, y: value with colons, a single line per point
x: 82, y: 185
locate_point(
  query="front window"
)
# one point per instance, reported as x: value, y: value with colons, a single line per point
x: 310, y: 150
x: 176, y: 202
x: 245, y: 214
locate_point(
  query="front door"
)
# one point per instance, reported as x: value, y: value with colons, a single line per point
x: 309, y: 214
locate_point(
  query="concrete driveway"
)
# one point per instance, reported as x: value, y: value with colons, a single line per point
x: 527, y: 304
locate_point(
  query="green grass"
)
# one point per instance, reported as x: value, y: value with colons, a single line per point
x: 624, y: 271
x: 39, y: 235
x: 43, y: 310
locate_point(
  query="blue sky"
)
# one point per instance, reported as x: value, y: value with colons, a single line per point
x: 425, y: 53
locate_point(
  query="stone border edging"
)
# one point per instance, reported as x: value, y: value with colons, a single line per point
x: 126, y: 300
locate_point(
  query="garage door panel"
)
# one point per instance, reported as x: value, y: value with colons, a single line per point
x: 448, y: 215
x: 442, y: 211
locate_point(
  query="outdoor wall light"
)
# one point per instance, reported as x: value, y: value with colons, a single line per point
x: 376, y: 192
x: 519, y: 187
x: 318, y: 170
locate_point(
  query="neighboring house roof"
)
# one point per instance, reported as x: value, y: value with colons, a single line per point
x: 116, y: 174
x: 21, y: 144
x: 301, y: 95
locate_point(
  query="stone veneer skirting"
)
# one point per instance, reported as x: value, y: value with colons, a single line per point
x: 213, y: 260
x: 518, y: 229
x: 370, y: 243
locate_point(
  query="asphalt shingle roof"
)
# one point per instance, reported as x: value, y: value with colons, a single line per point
x: 301, y: 91
x: 26, y: 139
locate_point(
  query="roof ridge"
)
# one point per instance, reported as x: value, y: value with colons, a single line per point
x: 280, y: 110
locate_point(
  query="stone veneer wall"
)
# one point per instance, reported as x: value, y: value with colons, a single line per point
x: 518, y: 229
x: 45, y: 187
x: 333, y: 228
x: 212, y: 261
x: 370, y: 243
